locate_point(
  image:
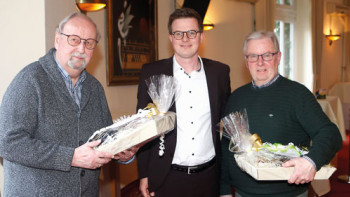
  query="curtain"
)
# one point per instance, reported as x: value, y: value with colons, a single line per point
x: 317, y: 39
x: 265, y: 15
x: 346, y: 48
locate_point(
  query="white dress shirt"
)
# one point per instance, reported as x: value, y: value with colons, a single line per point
x: 194, y: 144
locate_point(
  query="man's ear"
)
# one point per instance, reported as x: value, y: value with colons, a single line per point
x: 57, y: 39
x: 171, y: 38
x: 246, y: 63
x: 279, y: 54
x: 202, y: 36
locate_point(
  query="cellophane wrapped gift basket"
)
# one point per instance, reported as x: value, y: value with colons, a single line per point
x: 149, y: 123
x: 262, y: 161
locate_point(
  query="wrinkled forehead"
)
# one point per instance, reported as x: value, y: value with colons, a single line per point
x: 80, y: 26
x: 260, y: 46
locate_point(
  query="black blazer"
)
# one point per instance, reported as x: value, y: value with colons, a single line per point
x: 150, y: 164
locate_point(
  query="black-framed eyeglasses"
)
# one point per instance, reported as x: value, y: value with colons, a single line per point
x: 191, y: 34
x: 75, y: 40
x: 255, y: 57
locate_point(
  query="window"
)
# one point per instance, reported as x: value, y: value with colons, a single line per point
x: 284, y: 30
x: 294, y: 32
x: 284, y: 2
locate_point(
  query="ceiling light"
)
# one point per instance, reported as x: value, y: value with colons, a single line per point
x: 90, y: 5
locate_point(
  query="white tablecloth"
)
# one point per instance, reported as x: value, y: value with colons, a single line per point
x: 332, y: 107
x: 342, y: 90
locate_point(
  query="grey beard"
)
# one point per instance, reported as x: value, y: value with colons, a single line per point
x: 71, y: 63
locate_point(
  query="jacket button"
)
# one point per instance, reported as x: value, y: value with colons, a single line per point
x: 82, y: 173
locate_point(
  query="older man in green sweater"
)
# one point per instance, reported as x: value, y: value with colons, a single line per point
x: 279, y: 110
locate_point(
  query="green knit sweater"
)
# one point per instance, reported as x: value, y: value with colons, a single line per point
x: 283, y: 112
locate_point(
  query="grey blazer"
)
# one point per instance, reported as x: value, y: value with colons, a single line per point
x: 41, y: 125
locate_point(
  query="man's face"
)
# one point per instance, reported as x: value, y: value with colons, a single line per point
x: 74, y: 57
x: 185, y: 47
x: 262, y: 71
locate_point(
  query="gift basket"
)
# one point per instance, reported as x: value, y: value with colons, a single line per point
x: 262, y: 161
x: 153, y: 121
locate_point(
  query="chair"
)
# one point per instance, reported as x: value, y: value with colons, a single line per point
x: 131, y: 189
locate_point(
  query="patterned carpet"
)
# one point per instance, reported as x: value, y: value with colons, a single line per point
x: 339, y: 189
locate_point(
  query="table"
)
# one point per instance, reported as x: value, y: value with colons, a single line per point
x: 332, y: 107
x: 342, y: 90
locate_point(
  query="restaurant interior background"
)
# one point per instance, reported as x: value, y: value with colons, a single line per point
x: 28, y: 29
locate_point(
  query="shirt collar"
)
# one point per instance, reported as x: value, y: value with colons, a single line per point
x: 177, y: 67
x: 266, y: 84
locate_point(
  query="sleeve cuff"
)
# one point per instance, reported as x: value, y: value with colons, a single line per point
x: 126, y: 162
x: 310, y: 160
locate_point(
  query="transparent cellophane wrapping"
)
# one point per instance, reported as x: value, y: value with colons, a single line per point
x: 147, y: 124
x: 263, y: 161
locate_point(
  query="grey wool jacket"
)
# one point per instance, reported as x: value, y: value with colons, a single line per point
x: 41, y: 125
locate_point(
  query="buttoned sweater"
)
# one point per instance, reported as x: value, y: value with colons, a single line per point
x: 40, y: 127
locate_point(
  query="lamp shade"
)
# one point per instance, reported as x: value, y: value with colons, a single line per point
x: 207, y: 27
x: 332, y: 37
x: 90, y: 5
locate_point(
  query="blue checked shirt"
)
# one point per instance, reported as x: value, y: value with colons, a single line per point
x: 266, y: 84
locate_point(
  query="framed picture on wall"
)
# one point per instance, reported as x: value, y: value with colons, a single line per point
x: 131, y: 39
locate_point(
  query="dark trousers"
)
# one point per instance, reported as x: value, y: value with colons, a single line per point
x: 181, y: 184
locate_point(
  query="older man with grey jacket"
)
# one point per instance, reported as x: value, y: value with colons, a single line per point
x: 48, y: 113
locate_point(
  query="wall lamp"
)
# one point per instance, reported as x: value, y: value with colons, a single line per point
x: 332, y: 37
x: 207, y: 27
x: 90, y: 5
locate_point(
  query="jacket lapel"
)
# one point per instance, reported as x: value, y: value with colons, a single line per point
x: 85, y: 93
x: 211, y: 77
x: 168, y: 70
x: 61, y: 92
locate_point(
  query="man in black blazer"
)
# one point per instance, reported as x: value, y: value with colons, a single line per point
x: 189, y: 165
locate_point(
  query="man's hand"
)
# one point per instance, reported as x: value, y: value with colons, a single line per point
x: 127, y: 154
x: 144, y: 188
x: 304, y: 171
x: 85, y: 156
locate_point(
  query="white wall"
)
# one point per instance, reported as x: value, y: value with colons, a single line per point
x: 22, y: 37
x: 233, y: 22
x: 22, y: 41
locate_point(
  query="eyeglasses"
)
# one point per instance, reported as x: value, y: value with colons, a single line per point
x: 75, y: 40
x: 191, y: 34
x: 254, y: 57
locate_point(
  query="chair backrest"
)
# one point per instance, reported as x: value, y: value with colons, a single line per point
x: 131, y: 190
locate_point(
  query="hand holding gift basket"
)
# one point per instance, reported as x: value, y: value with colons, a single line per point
x: 262, y: 161
x: 149, y: 123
